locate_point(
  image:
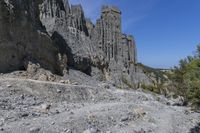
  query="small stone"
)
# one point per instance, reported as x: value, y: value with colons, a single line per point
x: 24, y: 115
x: 22, y: 96
x: 107, y: 87
x: 57, y: 112
x: 67, y: 109
x: 142, y: 131
x: 52, y: 123
x: 9, y: 86
x: 58, y: 91
x: 43, y: 77
x: 67, y: 82
x: 62, y: 81
x: 46, y: 106
x: 67, y: 130
x: 91, y: 130
x: 1, y: 122
x: 34, y: 130
x: 71, y: 113
x: 35, y: 114
x: 26, y: 124
x: 124, y: 119
x: 75, y: 83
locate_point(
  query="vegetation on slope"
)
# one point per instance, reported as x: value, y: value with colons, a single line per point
x: 186, y: 78
x: 159, y: 79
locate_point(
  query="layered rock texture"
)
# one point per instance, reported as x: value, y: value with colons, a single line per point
x: 59, y: 73
x: 58, y: 37
x: 23, y: 38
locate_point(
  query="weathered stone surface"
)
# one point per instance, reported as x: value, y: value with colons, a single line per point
x: 119, y: 49
x: 71, y: 29
x: 23, y: 37
x: 58, y: 37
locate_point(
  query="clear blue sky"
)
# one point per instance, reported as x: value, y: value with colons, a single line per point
x: 165, y: 30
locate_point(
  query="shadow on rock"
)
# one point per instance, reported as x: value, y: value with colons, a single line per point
x: 195, y: 129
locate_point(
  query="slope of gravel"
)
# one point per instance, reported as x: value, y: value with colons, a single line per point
x: 31, y: 106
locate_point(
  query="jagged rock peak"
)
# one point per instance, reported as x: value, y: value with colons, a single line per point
x: 58, y: 36
x: 108, y: 8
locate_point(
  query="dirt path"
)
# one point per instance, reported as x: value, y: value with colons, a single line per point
x: 79, y: 108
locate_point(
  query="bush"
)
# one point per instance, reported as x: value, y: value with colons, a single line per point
x: 186, y: 78
x: 156, y: 89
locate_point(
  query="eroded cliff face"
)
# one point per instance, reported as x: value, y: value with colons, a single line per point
x: 58, y: 36
x: 69, y: 23
x: 22, y: 37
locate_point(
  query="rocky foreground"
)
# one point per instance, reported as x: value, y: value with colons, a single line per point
x: 66, y: 72
x: 35, y: 106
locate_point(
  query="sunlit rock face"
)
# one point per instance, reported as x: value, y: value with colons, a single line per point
x: 57, y: 36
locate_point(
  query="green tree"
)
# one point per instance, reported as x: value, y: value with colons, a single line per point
x: 186, y: 78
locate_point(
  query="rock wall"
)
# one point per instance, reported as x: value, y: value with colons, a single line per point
x: 57, y: 35
x: 22, y: 37
x: 71, y: 25
x: 119, y: 49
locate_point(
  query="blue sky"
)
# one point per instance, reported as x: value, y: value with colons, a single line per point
x: 165, y: 30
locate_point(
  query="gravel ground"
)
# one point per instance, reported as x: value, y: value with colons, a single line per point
x: 32, y: 106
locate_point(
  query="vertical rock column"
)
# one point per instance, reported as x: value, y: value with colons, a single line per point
x: 109, y: 30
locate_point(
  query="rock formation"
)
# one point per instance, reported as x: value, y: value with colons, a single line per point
x: 59, y: 37
x: 71, y: 73
x: 119, y: 49
x: 23, y: 37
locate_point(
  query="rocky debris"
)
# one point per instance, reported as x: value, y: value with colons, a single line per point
x: 65, y: 82
x: 42, y: 38
x: 91, y: 130
x: 34, y: 130
x: 140, y: 112
x: 141, y: 131
x: 31, y: 103
x: 9, y: 86
x: 196, y: 129
x: 24, y: 114
x: 179, y: 101
x: 58, y: 91
x: 31, y: 67
x: 44, y: 108
x: 124, y: 119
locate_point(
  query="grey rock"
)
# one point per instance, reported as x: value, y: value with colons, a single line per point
x: 67, y: 131
x: 91, y: 130
x: 34, y: 130
x: 58, y: 91
x: 104, y: 114
x: 53, y: 35
x: 179, y: 101
x: 45, y: 106
x: 22, y: 37
x: 24, y: 114
x: 125, y: 118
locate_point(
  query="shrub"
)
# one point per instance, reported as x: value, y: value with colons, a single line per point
x: 186, y: 78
